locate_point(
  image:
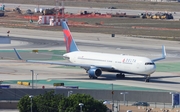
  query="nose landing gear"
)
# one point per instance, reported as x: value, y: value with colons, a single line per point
x: 147, y: 78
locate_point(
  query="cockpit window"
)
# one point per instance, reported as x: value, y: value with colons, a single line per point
x: 149, y: 63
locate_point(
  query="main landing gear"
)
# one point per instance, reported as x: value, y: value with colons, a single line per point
x: 121, y: 75
x: 92, y: 77
x: 147, y: 78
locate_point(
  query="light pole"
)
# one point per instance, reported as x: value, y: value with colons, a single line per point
x: 112, y: 97
x: 32, y: 78
x: 172, y: 93
x: 81, y: 104
x: 31, y: 97
x: 69, y: 93
x: 124, y: 96
x: 36, y: 80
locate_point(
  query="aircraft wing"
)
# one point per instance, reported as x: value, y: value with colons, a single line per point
x: 69, y: 64
x: 65, y: 64
x: 163, y: 55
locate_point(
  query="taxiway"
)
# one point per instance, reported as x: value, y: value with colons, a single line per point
x: 23, y: 39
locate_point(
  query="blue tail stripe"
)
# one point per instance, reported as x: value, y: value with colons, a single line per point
x: 64, y: 25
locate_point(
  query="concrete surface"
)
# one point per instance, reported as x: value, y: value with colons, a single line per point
x: 32, y: 39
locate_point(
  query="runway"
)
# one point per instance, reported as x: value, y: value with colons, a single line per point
x: 23, y: 39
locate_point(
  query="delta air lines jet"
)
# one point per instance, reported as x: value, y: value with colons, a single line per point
x: 94, y: 63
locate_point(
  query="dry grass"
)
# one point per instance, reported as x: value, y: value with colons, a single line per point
x: 124, y: 26
x: 115, y: 25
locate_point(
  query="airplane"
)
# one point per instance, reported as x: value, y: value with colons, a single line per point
x: 94, y: 62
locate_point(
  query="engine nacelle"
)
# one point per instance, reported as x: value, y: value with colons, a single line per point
x: 94, y: 72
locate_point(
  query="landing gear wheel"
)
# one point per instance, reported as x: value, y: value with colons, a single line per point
x: 117, y: 75
x: 120, y: 75
x: 92, y: 77
x: 147, y: 78
x: 123, y: 75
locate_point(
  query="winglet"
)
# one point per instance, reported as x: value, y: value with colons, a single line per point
x: 17, y: 54
x: 163, y: 54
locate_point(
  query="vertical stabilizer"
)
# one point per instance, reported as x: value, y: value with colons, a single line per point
x: 69, y: 41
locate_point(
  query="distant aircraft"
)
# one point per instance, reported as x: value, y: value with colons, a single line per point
x: 94, y: 63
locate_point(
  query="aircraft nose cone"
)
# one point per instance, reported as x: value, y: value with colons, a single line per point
x: 152, y: 69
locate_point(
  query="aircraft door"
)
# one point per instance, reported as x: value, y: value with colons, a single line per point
x: 73, y: 58
x: 141, y: 66
x: 138, y: 65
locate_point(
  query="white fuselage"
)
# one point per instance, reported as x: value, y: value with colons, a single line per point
x: 122, y: 63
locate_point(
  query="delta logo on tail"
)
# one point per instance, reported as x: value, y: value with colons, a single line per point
x: 70, y: 44
x: 67, y: 39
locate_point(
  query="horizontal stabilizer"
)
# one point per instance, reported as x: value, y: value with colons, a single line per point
x: 17, y: 54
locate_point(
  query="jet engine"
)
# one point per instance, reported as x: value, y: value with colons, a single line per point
x: 94, y: 72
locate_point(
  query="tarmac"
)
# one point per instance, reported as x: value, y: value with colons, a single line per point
x: 166, y: 77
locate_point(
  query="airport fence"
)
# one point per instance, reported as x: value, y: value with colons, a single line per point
x: 122, y: 100
x: 116, y: 95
